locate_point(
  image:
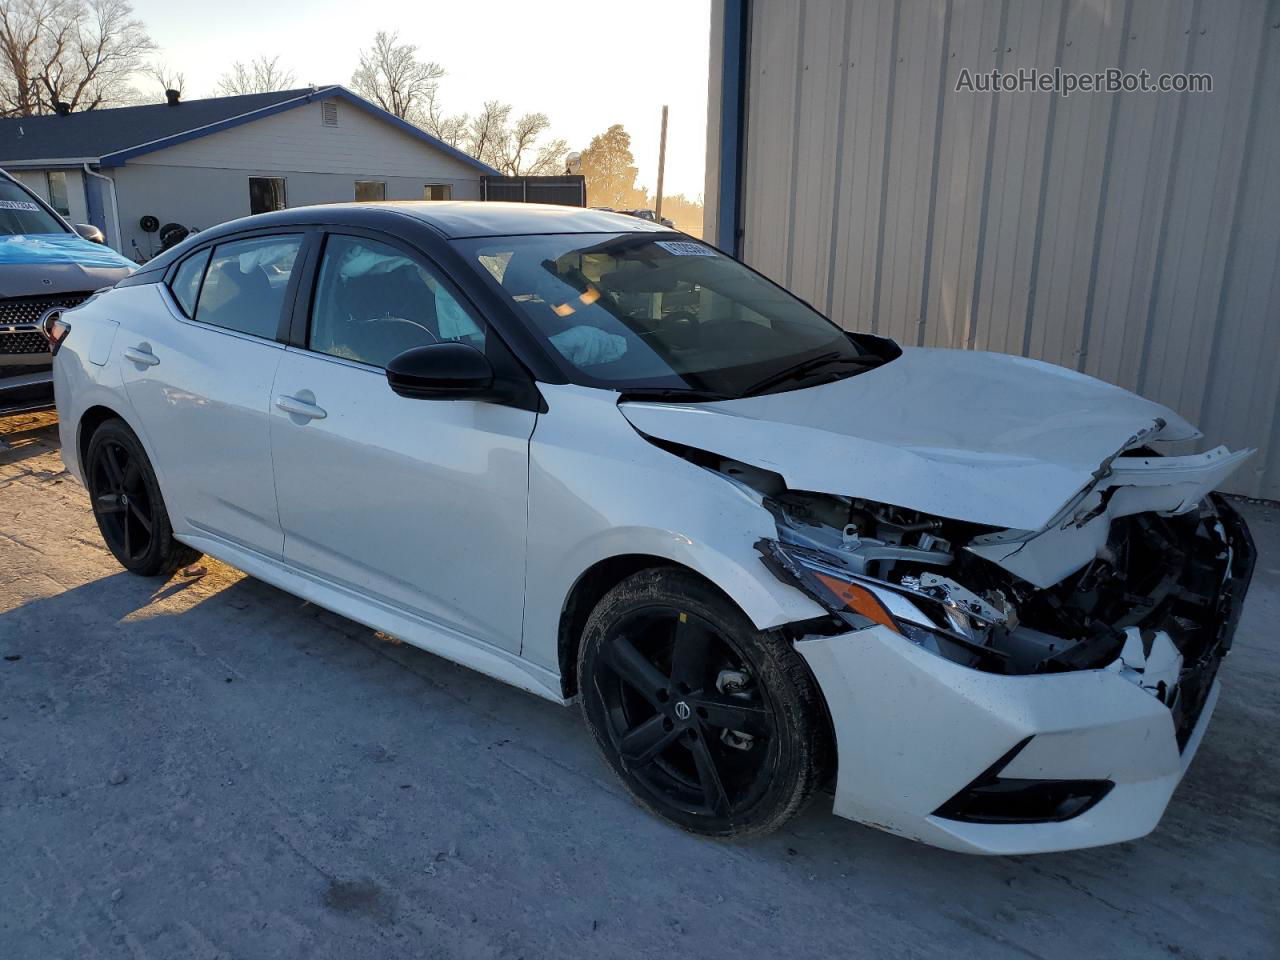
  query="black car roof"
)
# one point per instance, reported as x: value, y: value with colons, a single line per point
x: 449, y: 219
x: 453, y: 219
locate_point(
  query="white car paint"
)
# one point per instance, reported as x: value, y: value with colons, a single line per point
x: 911, y: 728
x: 344, y: 509
x: 360, y: 503
x: 984, y: 437
x: 209, y: 430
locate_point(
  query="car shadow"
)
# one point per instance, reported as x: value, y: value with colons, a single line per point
x: 27, y: 441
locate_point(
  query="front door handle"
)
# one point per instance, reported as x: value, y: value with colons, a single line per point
x: 141, y: 354
x: 300, y: 408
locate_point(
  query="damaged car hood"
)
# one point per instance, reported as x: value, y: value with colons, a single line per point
x: 983, y: 437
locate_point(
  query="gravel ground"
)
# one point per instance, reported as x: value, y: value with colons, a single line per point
x: 211, y: 768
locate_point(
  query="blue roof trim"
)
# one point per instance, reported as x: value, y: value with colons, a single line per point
x: 120, y: 157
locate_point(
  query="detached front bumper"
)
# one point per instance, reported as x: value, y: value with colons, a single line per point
x: 913, y: 730
x: 917, y: 734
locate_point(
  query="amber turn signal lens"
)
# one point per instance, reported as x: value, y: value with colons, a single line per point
x: 859, y: 599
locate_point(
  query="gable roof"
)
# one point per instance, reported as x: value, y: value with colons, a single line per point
x: 111, y: 137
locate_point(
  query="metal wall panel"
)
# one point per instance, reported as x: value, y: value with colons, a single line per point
x: 1135, y: 237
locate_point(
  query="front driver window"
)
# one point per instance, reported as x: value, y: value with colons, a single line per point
x: 373, y: 302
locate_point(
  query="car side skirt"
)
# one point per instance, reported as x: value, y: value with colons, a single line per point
x: 464, y: 650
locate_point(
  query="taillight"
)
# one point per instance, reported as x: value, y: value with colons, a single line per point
x: 55, y: 329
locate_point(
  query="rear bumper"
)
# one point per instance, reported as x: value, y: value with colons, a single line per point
x: 914, y: 731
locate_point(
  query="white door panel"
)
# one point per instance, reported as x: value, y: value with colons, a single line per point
x: 419, y: 503
x: 202, y: 397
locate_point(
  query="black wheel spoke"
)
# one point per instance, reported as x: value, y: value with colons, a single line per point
x: 128, y: 541
x: 728, y: 713
x: 689, y: 655
x: 144, y: 521
x: 132, y: 474
x: 111, y: 462
x: 634, y: 670
x: 644, y: 743
x: 713, y: 792
x: 108, y: 503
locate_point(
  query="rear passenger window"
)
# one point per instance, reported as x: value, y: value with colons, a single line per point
x: 185, y: 285
x: 245, y: 284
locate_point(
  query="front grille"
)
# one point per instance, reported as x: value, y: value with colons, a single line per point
x: 23, y: 341
x: 29, y: 309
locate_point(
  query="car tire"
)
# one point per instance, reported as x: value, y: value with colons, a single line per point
x: 708, y: 722
x: 128, y: 506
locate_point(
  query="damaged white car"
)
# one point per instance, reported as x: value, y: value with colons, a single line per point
x: 597, y: 459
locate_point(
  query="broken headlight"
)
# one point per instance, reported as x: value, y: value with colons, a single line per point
x: 861, y: 601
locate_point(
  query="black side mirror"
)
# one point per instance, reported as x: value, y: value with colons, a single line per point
x: 441, y: 371
x: 91, y: 233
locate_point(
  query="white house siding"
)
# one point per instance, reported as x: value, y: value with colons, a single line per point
x: 205, y: 181
x: 1134, y: 237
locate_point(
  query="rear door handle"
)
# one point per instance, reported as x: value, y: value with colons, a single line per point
x: 141, y: 354
x: 300, y: 408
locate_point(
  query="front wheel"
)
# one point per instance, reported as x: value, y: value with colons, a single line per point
x: 708, y: 722
x: 127, y: 504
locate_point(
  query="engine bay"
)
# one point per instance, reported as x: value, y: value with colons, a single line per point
x: 1157, y: 591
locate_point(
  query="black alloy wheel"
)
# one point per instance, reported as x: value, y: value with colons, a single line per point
x: 120, y: 501
x: 708, y: 722
x: 127, y: 503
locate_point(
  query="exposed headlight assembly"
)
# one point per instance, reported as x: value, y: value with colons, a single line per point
x: 943, y: 628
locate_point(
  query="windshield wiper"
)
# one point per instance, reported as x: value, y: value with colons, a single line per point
x: 808, y: 366
x: 672, y: 395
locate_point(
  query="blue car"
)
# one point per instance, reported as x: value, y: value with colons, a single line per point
x: 44, y: 262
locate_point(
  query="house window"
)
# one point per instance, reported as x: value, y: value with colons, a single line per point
x: 266, y: 194
x: 370, y: 190
x: 437, y: 191
x: 329, y: 113
x: 57, y: 180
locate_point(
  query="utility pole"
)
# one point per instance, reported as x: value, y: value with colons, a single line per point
x: 662, y: 162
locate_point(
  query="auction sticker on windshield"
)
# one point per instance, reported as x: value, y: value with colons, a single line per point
x: 685, y: 248
x: 19, y: 205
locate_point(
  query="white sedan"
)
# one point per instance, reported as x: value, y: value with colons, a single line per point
x: 599, y: 460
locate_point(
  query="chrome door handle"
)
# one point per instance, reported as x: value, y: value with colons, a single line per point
x: 300, y: 408
x: 141, y: 354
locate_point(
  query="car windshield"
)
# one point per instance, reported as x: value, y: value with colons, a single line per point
x: 664, y: 315
x: 20, y: 214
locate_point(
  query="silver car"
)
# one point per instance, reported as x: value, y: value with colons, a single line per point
x: 44, y: 263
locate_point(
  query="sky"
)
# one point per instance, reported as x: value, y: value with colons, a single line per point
x: 586, y: 65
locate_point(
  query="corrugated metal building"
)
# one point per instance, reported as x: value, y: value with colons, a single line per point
x: 1133, y: 236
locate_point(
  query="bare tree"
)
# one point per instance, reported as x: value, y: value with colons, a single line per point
x: 260, y: 75
x: 451, y: 128
x: 167, y: 77
x: 78, y: 52
x: 487, y: 131
x: 550, y: 158
x: 391, y: 75
x: 517, y: 141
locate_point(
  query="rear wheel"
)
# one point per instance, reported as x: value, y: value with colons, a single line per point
x: 128, y: 506
x: 708, y: 722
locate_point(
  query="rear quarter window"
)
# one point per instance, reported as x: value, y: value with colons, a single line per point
x: 185, y: 285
